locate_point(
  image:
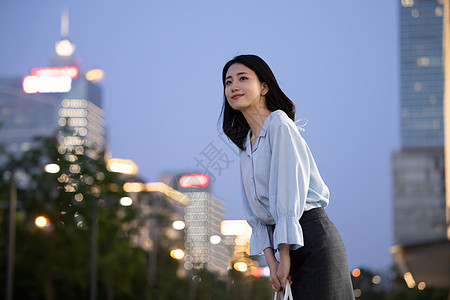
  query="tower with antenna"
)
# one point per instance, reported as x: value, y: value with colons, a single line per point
x: 64, y: 47
x: 61, y: 94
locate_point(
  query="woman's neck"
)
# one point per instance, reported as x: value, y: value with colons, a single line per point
x: 255, y: 117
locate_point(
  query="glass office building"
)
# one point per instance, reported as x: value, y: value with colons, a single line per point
x: 418, y: 168
x: 25, y: 116
x: 422, y: 250
x: 422, y: 76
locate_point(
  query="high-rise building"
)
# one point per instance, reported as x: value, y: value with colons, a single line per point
x: 421, y: 73
x: 419, y: 200
x: 24, y: 116
x: 203, y: 215
x: 49, y: 98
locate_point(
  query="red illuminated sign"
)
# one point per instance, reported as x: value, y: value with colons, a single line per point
x: 50, y: 80
x: 72, y: 71
x: 193, y: 181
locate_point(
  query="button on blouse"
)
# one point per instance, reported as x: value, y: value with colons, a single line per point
x: 280, y: 180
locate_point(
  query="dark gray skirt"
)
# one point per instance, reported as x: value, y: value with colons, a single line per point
x: 319, y: 270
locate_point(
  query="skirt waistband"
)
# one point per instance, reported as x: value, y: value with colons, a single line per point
x: 312, y: 214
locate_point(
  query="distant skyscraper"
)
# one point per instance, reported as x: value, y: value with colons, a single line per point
x: 421, y: 73
x: 41, y: 103
x: 420, y: 225
x: 419, y: 195
x: 203, y: 215
x: 52, y: 97
x: 24, y: 116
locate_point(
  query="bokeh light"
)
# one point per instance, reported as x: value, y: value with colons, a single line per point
x: 52, y: 168
x: 376, y: 279
x: 95, y: 75
x: 124, y: 166
x: 126, y: 201
x: 41, y: 222
x: 215, y: 239
x: 257, y: 272
x: 135, y: 187
x: 178, y: 225
x: 240, y: 266
x: 409, y: 280
x: 422, y: 285
x: 177, y: 254
x: 356, y: 272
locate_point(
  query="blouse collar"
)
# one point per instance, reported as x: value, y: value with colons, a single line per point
x: 262, y: 133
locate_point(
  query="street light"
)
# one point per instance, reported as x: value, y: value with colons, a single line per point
x: 177, y: 254
x: 215, y: 239
x: 95, y: 75
x: 126, y: 201
x: 240, y: 266
x: 124, y: 166
x: 51, y: 168
x: 41, y: 222
x: 178, y: 225
x: 257, y: 272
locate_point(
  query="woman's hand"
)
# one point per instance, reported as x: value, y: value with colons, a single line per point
x: 272, y: 263
x: 284, y: 266
x: 279, y: 271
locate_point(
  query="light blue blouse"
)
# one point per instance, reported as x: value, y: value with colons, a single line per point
x: 280, y: 181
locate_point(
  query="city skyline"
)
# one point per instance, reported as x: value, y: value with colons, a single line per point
x: 337, y: 62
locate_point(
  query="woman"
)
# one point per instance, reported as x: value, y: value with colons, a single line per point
x: 283, y: 194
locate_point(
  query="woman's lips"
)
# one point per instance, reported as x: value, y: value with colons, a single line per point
x: 237, y: 96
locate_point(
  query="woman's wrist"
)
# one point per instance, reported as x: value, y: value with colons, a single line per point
x: 270, y: 256
x: 284, y: 250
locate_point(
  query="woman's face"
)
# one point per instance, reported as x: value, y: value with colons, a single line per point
x: 243, y: 89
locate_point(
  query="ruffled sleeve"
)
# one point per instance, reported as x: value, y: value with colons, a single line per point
x: 288, y: 185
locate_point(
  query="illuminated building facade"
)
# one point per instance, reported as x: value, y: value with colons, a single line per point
x: 421, y: 73
x: 203, y: 215
x: 30, y: 109
x: 419, y: 194
x: 419, y: 200
x: 50, y: 98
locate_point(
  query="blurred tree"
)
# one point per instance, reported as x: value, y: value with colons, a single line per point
x: 54, y: 262
x: 207, y: 286
x: 261, y: 289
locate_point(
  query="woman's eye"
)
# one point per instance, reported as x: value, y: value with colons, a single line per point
x: 243, y: 78
x: 228, y: 82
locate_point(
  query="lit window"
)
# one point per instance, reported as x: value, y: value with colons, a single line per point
x: 423, y: 61
x: 433, y: 99
x: 407, y: 3
x: 417, y: 86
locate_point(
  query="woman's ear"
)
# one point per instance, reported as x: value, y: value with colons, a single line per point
x: 265, y: 89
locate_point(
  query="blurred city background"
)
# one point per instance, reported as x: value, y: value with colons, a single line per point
x: 116, y: 181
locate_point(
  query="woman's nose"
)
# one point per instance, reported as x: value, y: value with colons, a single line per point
x: 234, y: 87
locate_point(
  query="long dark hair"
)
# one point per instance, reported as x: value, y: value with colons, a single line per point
x: 234, y: 124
